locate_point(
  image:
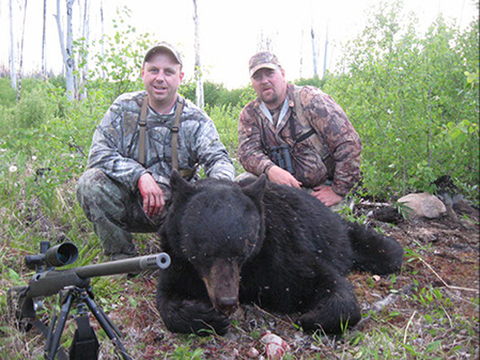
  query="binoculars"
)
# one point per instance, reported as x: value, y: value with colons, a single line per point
x: 281, y: 156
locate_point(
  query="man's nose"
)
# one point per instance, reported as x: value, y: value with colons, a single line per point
x: 160, y: 76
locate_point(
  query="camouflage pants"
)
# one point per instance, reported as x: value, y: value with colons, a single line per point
x: 114, y: 211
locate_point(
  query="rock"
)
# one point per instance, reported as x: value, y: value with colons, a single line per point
x: 423, y: 205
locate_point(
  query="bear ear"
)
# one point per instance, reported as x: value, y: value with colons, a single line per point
x: 256, y: 190
x: 179, y: 186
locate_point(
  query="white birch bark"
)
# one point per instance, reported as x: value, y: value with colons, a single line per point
x: 20, y: 66
x: 68, y: 61
x: 44, y: 41
x: 198, y: 67
x: 13, y: 72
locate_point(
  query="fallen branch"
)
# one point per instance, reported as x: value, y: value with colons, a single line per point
x: 443, y: 281
x: 373, y: 204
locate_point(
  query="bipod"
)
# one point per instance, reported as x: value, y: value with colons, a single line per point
x: 85, y: 344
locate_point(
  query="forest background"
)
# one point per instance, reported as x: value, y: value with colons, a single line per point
x: 413, y: 98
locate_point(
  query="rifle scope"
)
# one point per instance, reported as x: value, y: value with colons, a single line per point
x: 59, y: 255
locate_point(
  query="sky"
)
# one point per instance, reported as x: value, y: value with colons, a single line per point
x: 230, y: 31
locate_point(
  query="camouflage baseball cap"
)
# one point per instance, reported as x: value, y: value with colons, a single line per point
x: 263, y: 59
x: 163, y: 46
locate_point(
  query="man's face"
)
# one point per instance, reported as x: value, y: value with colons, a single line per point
x: 270, y: 86
x: 162, y: 76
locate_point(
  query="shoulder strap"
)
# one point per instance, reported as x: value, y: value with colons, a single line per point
x: 141, y: 136
x: 325, y: 153
x: 176, y: 124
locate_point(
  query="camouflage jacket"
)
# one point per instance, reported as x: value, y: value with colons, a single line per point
x: 332, y: 152
x: 114, y: 146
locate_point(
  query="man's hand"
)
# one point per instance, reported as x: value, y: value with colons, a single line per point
x: 282, y: 177
x: 326, y: 195
x: 153, y: 199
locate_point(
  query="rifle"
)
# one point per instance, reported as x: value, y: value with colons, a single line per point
x: 72, y: 286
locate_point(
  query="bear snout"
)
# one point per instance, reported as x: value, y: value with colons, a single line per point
x: 223, y: 282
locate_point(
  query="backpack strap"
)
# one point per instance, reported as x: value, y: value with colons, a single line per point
x: 187, y: 174
x: 142, y: 130
x: 175, y: 127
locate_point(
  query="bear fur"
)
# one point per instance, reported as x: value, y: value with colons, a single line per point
x: 274, y: 246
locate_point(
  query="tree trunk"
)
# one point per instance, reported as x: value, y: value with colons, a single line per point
x: 314, y: 53
x: 84, y: 53
x: 44, y: 41
x: 68, y: 61
x: 198, y: 67
x: 20, y: 66
x: 102, y: 37
x: 325, y: 54
x: 13, y: 73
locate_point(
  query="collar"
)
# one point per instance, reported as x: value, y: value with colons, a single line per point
x: 267, y: 113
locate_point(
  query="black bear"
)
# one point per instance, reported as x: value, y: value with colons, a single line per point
x: 262, y: 243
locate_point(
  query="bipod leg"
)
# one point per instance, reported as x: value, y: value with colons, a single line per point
x: 112, y: 332
x: 57, y: 327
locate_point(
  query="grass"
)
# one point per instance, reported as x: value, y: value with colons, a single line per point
x: 434, y: 319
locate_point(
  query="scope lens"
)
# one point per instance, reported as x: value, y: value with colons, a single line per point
x: 67, y: 253
x: 63, y: 254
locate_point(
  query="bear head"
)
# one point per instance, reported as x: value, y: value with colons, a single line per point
x: 216, y: 227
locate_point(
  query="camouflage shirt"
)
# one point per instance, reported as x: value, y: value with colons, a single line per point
x: 114, y: 146
x: 333, y: 151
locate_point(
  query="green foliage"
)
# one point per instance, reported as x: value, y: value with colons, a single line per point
x: 411, y: 101
x: 8, y: 96
x: 31, y: 112
x: 119, y: 66
x: 217, y: 95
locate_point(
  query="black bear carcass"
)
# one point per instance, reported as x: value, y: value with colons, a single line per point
x: 262, y: 243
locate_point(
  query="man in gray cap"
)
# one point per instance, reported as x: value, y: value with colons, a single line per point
x: 297, y: 136
x: 142, y: 137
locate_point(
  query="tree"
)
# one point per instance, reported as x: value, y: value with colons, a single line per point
x: 13, y: 73
x: 67, y: 51
x: 20, y: 70
x: 407, y: 95
x: 198, y: 67
x: 44, y: 41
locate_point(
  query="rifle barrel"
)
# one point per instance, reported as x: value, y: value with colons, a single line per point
x: 132, y: 265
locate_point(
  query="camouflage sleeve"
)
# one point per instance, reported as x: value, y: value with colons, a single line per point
x: 211, y: 153
x: 331, y: 122
x: 108, y: 150
x: 250, y: 150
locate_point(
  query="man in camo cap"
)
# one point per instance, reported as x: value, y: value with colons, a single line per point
x: 124, y: 192
x: 297, y: 136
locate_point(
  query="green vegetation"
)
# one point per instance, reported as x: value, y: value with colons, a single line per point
x: 413, y: 98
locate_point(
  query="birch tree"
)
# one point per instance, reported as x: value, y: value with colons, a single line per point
x: 13, y: 73
x: 44, y: 41
x: 314, y: 53
x: 84, y: 52
x: 102, y: 50
x: 67, y: 50
x: 20, y: 67
x: 198, y: 68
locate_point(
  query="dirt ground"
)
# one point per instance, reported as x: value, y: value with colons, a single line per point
x: 434, y: 297
x: 440, y: 275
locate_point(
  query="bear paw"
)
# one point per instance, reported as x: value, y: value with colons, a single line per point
x: 196, y: 317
